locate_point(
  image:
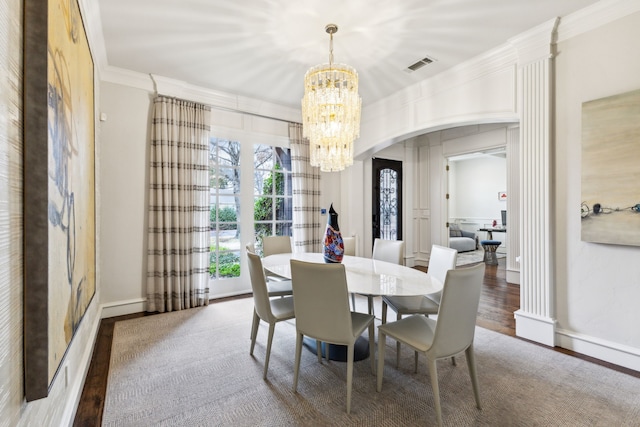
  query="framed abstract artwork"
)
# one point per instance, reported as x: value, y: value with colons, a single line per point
x: 610, y: 208
x: 59, y: 190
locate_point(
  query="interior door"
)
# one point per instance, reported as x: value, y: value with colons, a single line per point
x: 387, y: 199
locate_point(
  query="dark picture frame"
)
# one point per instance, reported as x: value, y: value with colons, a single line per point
x: 59, y: 186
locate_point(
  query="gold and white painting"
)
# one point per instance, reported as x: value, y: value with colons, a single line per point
x: 59, y: 168
x: 71, y: 176
x: 610, y: 208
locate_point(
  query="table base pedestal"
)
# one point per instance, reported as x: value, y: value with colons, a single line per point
x: 339, y: 352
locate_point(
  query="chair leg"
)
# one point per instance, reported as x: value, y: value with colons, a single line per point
x: 382, y: 338
x: 372, y: 349
x: 296, y: 366
x: 272, y: 328
x: 453, y: 361
x: 433, y: 372
x: 349, y: 375
x: 353, y: 301
x: 384, y: 312
x: 471, y: 364
x: 398, y: 317
x: 319, y: 350
x: 254, y: 330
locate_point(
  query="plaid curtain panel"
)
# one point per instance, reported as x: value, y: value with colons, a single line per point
x: 178, y: 235
x: 305, y: 182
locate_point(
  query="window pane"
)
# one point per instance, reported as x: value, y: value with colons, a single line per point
x: 224, y: 181
x: 287, y: 185
x: 283, y: 229
x: 263, y: 208
x: 213, y: 241
x: 283, y: 208
x: 229, y: 264
x: 263, y: 157
x: 280, y: 183
x: 263, y: 184
x: 283, y: 158
x: 261, y: 229
x: 229, y: 180
x: 226, y: 216
x: 228, y: 153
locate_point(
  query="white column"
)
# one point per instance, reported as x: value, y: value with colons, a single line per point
x: 536, y: 318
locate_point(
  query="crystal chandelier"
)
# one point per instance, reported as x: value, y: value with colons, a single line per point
x: 331, y: 112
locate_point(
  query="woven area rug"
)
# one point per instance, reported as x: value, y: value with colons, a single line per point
x: 472, y: 257
x: 192, y: 368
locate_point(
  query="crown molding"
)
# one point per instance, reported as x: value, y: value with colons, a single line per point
x: 127, y: 78
x: 90, y: 12
x: 536, y: 43
x: 183, y: 90
x: 594, y: 16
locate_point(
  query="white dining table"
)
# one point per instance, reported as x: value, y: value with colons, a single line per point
x: 364, y: 275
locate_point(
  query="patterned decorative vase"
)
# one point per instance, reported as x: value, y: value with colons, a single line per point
x: 333, y: 245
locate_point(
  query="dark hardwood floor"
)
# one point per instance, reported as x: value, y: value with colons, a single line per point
x: 498, y: 301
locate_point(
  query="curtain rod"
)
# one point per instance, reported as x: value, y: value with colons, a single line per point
x: 232, y: 110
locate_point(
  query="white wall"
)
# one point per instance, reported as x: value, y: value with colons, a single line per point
x: 598, y: 285
x: 473, y: 195
x: 473, y: 187
x: 124, y: 182
x: 11, y: 255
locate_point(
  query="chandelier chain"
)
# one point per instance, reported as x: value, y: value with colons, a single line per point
x: 330, y: 50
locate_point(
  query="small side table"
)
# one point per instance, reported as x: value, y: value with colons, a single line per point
x: 490, y: 247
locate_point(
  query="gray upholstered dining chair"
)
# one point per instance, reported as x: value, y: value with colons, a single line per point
x: 321, y: 302
x: 276, y: 285
x: 272, y: 245
x: 269, y: 310
x: 389, y: 251
x: 441, y: 260
x: 452, y: 333
x: 350, y: 244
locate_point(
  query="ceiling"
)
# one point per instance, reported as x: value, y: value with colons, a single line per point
x: 262, y: 48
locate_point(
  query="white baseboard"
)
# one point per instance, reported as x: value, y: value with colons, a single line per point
x: 535, y: 328
x: 513, y: 276
x: 617, y: 354
x: 77, y: 385
x: 120, y: 308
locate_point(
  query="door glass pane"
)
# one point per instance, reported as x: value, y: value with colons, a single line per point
x: 283, y: 208
x: 263, y: 208
x: 224, y: 202
x: 273, y: 201
x: 388, y: 204
x: 283, y: 229
x: 228, y: 264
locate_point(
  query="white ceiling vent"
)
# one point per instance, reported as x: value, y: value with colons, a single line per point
x: 419, y: 64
